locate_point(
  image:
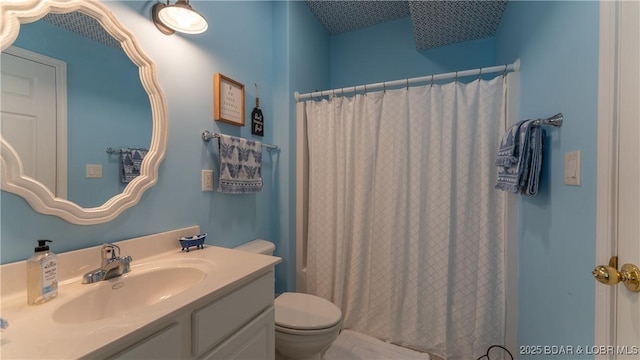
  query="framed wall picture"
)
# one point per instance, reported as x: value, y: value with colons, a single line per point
x: 228, y: 100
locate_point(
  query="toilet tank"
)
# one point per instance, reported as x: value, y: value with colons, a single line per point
x: 257, y: 246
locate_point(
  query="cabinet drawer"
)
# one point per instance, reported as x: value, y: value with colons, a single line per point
x: 215, y: 322
x: 164, y: 344
x: 255, y: 341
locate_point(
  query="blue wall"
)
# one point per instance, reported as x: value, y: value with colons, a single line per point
x: 245, y: 42
x: 301, y: 64
x: 557, y: 43
x: 104, y: 98
x: 281, y: 47
x: 386, y: 52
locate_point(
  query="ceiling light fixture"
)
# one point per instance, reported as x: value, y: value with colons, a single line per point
x: 178, y: 17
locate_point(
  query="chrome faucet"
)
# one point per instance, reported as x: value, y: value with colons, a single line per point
x: 112, y: 265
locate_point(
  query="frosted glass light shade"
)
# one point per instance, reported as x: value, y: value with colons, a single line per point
x: 181, y: 17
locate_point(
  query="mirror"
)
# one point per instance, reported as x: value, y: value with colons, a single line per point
x: 100, y: 114
x: 103, y: 95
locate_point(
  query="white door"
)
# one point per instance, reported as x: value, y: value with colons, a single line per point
x: 32, y: 118
x: 617, y: 308
x: 628, y: 303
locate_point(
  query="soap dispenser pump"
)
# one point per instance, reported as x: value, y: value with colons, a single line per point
x: 42, y: 275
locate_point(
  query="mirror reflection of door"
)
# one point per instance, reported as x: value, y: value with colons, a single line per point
x: 34, y: 115
x: 106, y: 106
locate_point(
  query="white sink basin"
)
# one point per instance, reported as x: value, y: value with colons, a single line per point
x: 124, y: 294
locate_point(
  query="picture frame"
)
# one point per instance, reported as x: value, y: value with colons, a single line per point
x: 228, y: 100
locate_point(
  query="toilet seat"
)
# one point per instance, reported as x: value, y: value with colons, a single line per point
x: 297, y: 313
x: 319, y: 332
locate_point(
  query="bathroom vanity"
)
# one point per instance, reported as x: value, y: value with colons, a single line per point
x: 213, y: 303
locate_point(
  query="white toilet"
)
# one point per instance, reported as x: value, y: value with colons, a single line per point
x: 306, y: 325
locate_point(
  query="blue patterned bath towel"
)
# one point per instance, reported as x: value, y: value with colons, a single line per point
x: 131, y: 163
x: 520, y: 158
x: 240, y: 165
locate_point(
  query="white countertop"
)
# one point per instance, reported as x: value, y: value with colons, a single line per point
x: 34, y: 334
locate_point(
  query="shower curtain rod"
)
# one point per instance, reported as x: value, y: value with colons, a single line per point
x: 406, y: 82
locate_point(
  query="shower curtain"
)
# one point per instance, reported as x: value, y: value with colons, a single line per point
x: 405, y: 229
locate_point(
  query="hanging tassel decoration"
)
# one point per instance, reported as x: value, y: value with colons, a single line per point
x: 257, y: 119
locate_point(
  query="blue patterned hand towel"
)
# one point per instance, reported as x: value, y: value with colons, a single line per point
x: 240, y: 165
x: 508, y: 150
x: 130, y: 163
x: 520, y: 158
x: 536, y: 146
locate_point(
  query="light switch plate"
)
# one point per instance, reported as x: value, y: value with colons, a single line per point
x: 207, y: 180
x: 94, y: 171
x: 572, y: 168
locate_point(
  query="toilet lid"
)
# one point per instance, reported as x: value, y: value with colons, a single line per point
x: 305, y: 312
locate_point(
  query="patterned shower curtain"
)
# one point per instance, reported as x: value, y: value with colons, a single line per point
x: 405, y: 228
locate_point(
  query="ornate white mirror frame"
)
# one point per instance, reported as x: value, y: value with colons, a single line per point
x: 41, y: 199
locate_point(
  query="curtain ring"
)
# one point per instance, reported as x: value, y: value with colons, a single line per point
x: 355, y: 91
x: 431, y: 80
x: 365, y: 89
x: 407, y: 83
x: 456, y: 79
x: 505, y: 70
x: 384, y: 87
x: 480, y: 74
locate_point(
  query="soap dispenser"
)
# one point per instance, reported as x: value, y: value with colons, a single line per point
x: 42, y: 275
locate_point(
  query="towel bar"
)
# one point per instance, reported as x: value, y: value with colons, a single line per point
x: 555, y: 120
x: 111, y: 150
x: 207, y: 135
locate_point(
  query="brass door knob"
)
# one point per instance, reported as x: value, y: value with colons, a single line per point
x: 607, y: 275
x: 629, y: 275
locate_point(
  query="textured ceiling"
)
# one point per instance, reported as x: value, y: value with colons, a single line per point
x: 83, y: 25
x: 435, y: 23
